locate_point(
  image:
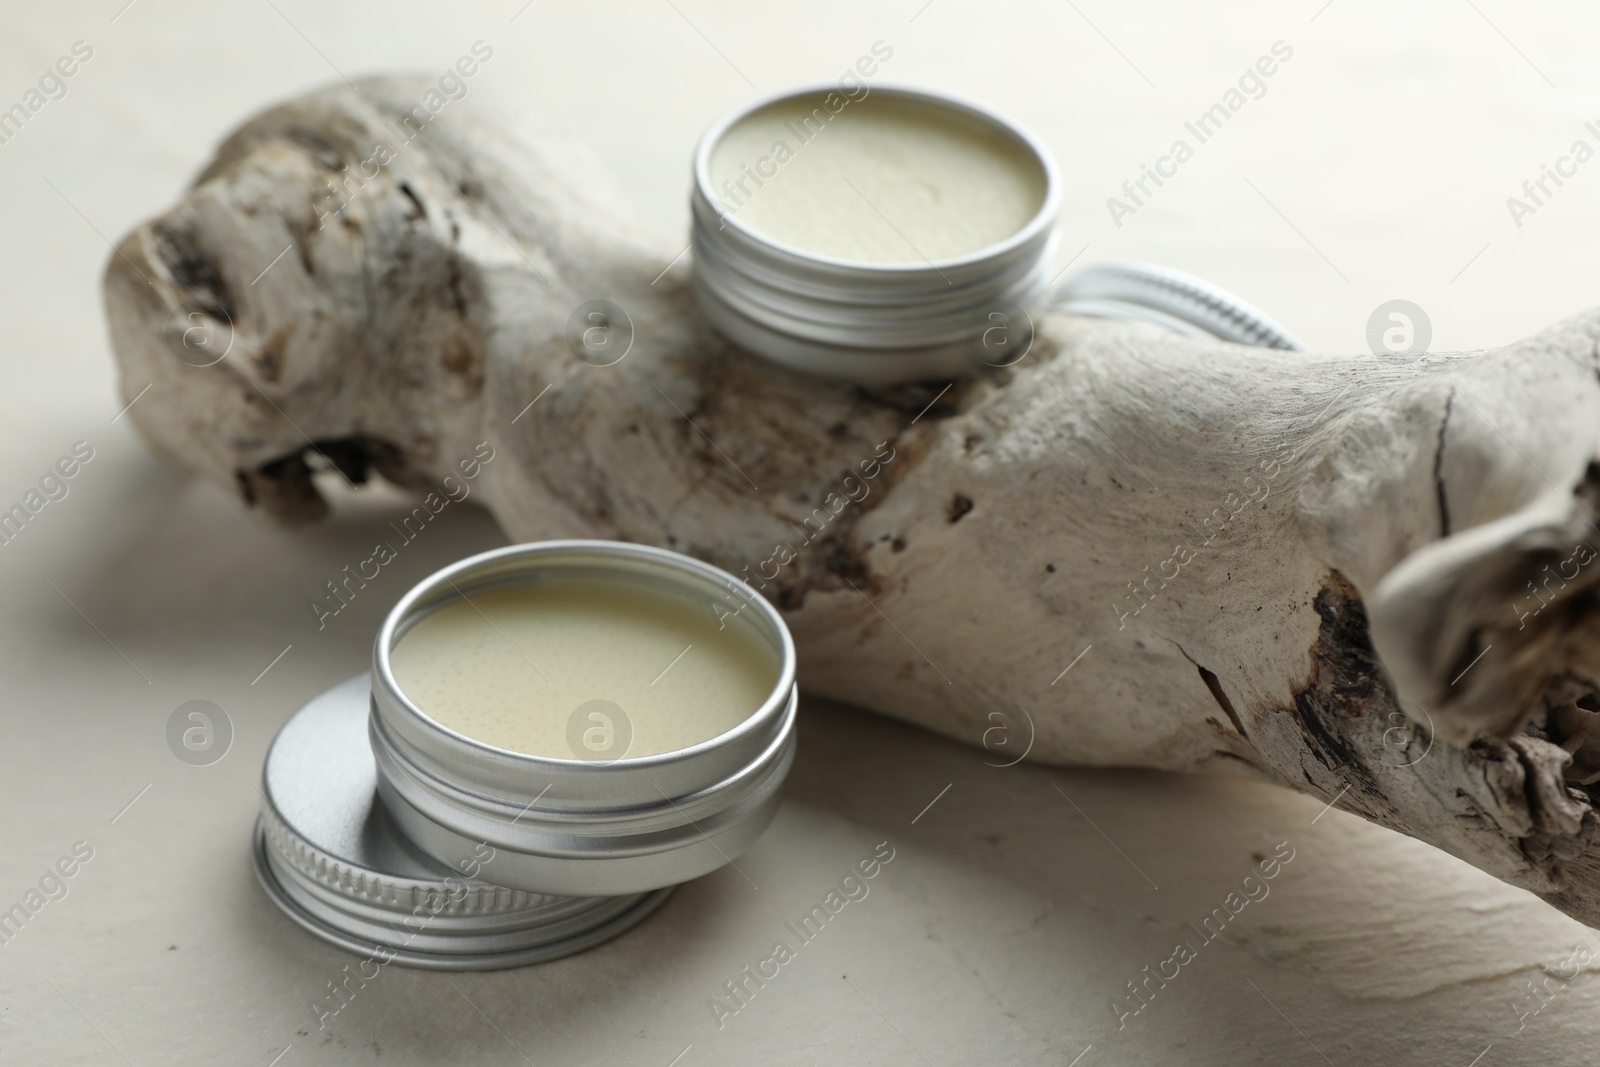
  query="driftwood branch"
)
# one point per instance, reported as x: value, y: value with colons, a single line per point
x: 1365, y: 579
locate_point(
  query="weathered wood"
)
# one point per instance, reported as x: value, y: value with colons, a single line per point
x: 1332, y: 572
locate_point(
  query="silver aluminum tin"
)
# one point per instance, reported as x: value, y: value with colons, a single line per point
x: 571, y: 826
x: 1140, y: 292
x: 329, y: 856
x: 874, y: 324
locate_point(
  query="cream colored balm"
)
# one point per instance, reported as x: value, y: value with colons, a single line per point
x: 883, y: 178
x: 585, y: 669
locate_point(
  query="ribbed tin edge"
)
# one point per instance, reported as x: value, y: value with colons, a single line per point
x: 399, y: 949
x: 314, y: 867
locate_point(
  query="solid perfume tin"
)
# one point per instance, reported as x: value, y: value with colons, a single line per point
x: 572, y: 825
x: 786, y: 188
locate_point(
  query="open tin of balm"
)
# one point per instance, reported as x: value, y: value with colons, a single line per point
x: 890, y: 236
x: 607, y: 718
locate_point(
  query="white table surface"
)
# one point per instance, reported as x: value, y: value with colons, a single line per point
x: 1376, y: 166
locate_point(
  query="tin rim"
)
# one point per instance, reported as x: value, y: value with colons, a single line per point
x: 1144, y: 292
x: 628, y: 916
x: 331, y: 857
x: 571, y: 826
x: 1042, y: 220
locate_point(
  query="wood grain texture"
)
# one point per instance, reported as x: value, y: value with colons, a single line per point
x: 1312, y: 570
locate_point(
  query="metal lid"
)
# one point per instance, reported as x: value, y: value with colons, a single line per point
x: 1140, y: 292
x: 872, y: 323
x: 575, y: 826
x: 328, y: 854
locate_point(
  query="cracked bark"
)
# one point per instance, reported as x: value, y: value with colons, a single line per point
x: 1438, y: 468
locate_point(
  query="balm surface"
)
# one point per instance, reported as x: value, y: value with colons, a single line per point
x: 517, y: 668
x: 883, y: 179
